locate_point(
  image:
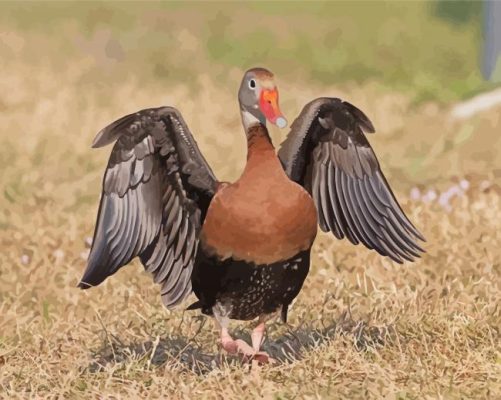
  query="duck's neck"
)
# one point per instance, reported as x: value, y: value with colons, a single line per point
x: 249, y: 119
x: 258, y: 140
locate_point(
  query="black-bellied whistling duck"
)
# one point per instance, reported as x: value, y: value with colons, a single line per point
x: 243, y: 248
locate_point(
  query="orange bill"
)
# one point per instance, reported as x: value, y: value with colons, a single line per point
x: 268, y: 103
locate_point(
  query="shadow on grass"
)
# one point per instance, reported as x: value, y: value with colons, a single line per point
x: 290, y: 347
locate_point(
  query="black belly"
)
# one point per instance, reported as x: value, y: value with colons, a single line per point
x: 247, y: 290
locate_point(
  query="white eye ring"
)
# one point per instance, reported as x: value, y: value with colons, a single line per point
x: 252, y: 84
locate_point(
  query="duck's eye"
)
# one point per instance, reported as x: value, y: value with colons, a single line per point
x: 252, y: 84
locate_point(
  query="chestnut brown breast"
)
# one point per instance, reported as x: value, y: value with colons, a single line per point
x: 263, y: 217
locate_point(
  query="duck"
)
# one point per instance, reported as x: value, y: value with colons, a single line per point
x: 242, y: 248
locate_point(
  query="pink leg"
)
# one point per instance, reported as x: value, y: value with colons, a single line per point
x: 241, y: 347
x: 235, y: 346
x: 257, y: 336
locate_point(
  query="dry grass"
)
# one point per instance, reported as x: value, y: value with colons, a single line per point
x: 363, y: 327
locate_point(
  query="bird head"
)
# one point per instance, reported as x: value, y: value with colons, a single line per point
x: 258, y: 98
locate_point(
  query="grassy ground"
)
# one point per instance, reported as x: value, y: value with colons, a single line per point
x: 363, y: 327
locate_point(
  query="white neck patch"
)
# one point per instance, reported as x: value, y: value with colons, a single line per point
x: 249, y: 120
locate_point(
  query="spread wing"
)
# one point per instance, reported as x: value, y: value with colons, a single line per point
x: 156, y: 190
x: 327, y: 152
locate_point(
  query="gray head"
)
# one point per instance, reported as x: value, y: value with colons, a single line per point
x: 258, y: 98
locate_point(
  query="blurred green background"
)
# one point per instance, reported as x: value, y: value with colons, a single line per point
x: 429, y: 50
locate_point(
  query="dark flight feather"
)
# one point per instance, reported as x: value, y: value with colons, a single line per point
x: 327, y: 152
x: 156, y: 191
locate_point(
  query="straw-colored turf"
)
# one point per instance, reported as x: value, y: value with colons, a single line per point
x: 363, y: 327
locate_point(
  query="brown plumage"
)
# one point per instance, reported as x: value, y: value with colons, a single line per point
x: 263, y: 217
x: 243, y: 248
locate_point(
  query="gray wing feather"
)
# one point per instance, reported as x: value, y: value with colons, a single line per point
x: 156, y: 190
x: 327, y: 152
